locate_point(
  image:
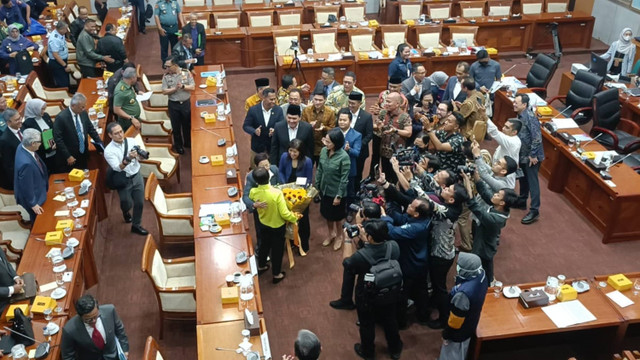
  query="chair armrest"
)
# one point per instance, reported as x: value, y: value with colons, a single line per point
x: 534, y: 89
x: 156, y: 113
x: 186, y: 259
x: 559, y: 97
x: 179, y: 203
x: 579, y: 110
x: 177, y: 290
x: 156, y: 109
x: 614, y: 137
x: 629, y: 125
x: 154, y: 128
x: 161, y: 150
x: 176, y: 217
x: 179, y: 195
x: 4, y: 213
x: 9, y: 246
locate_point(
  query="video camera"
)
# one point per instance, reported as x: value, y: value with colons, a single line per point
x: 407, y: 156
x: 468, y: 169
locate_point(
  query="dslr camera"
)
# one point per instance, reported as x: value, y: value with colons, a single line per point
x: 407, y: 157
x: 468, y: 169
x: 141, y: 152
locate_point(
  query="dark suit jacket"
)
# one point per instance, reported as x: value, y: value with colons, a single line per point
x: 7, y: 273
x: 32, y: 124
x: 254, y: 120
x: 31, y: 182
x: 280, y: 140
x: 448, y: 91
x: 320, y: 87
x: 364, y: 125
x: 113, y: 46
x: 66, y: 138
x: 180, y: 55
x: 75, y: 29
x: 77, y: 344
x: 201, y: 41
x: 409, y: 84
x: 8, y: 145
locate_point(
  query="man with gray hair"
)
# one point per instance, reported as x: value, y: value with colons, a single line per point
x: 70, y: 132
x: 9, y: 142
x: 306, y: 347
x: 125, y: 105
x: 182, y: 53
x: 30, y: 176
x: 327, y: 82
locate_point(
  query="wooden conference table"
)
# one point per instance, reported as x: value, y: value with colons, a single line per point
x: 611, y: 209
x: 219, y: 325
x: 631, y: 313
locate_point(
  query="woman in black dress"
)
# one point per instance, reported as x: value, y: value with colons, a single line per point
x: 35, y: 117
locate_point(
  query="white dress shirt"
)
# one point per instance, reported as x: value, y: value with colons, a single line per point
x: 98, y: 326
x: 73, y: 119
x: 42, y: 124
x: 456, y: 90
x: 15, y: 132
x: 354, y: 118
x: 293, y: 132
x: 114, y: 153
x: 266, y: 114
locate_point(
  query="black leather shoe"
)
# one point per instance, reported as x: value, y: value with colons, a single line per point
x: 342, y: 304
x: 127, y: 218
x: 262, y: 270
x: 180, y: 150
x: 139, y: 230
x: 277, y: 280
x: 530, y: 218
x: 358, y: 349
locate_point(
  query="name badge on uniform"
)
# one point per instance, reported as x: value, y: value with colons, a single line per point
x: 132, y: 101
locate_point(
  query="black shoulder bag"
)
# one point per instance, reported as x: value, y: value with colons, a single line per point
x: 117, y: 180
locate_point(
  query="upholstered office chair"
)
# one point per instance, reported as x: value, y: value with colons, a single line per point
x: 174, y: 282
x: 439, y: 11
x: 429, y: 36
x: 541, y: 73
x: 393, y: 35
x: 557, y: 6
x: 633, y: 162
x: 472, y: 9
x: 324, y: 40
x: 531, y: 7
x: 221, y: 2
x: 466, y: 33
x: 45, y: 93
x: 15, y: 232
x: 158, y: 99
x: 162, y: 162
x: 152, y: 350
x: 282, y: 41
x: 289, y: 17
x: 584, y: 86
x: 229, y: 20
x: 203, y: 18
x: 409, y: 10
x: 321, y: 13
x: 354, y: 12
x: 499, y: 7
x: 362, y: 39
x: 155, y: 125
x: 616, y: 133
x: 174, y: 213
x: 9, y: 207
x: 260, y: 18
x: 54, y: 107
x: 194, y: 3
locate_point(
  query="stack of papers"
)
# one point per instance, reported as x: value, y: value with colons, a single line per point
x: 334, y: 57
x: 619, y: 298
x: 568, y: 313
x: 215, y: 208
x: 375, y: 55
x: 565, y: 123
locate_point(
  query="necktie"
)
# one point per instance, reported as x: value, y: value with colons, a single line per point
x: 39, y: 163
x: 97, y: 338
x: 20, y: 135
x: 326, y: 91
x: 80, y: 136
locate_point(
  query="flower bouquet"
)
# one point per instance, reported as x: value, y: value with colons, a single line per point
x: 298, y: 199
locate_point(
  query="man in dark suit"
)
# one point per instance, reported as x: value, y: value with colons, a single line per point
x: 10, y: 282
x: 111, y: 44
x: 70, y: 132
x: 198, y: 35
x: 260, y: 122
x: 31, y: 176
x: 327, y: 82
x: 293, y: 128
x: 413, y: 87
x: 9, y: 142
x: 453, y: 91
x: 361, y: 122
x: 182, y: 52
x: 93, y: 333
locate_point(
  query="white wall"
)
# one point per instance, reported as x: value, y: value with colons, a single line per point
x: 611, y: 18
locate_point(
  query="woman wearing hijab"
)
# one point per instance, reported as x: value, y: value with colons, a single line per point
x: 35, y: 117
x: 621, y: 54
x: 13, y: 44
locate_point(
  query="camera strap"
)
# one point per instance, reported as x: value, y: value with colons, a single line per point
x: 126, y: 147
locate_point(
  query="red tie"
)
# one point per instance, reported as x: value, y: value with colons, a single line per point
x: 97, y: 338
x: 39, y: 163
x: 20, y: 135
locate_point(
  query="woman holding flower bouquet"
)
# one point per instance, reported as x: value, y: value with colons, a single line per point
x: 332, y: 177
x: 293, y: 165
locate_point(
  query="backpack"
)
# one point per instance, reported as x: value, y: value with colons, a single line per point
x: 383, y: 282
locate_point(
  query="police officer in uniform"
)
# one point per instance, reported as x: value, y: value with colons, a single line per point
x: 166, y: 14
x: 58, y: 53
x: 178, y: 84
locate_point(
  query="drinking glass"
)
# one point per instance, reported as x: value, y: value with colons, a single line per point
x: 561, y: 279
x: 636, y: 287
x: 48, y: 314
x: 58, y: 308
x: 86, y: 173
x: 309, y: 51
x: 67, y: 231
x: 571, y: 143
x: 59, y: 278
x: 497, y: 288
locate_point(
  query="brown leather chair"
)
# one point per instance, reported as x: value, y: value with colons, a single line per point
x: 152, y: 350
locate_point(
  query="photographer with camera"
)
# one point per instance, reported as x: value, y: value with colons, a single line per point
x: 124, y: 155
x: 410, y: 229
x: 420, y: 179
x: 491, y: 216
x: 496, y: 175
x: 374, y: 305
x: 355, y: 240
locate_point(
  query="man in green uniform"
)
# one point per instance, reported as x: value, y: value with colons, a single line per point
x: 166, y: 15
x: 125, y: 105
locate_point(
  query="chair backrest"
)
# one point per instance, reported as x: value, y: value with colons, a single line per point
x: 439, y: 11
x: 361, y: 39
x: 557, y: 6
x: 221, y: 2
x: 584, y: 86
x: 324, y: 40
x: 194, y: 3
x: 153, y: 265
x: 260, y: 18
x: 466, y: 33
x: 253, y: 1
x: 606, y: 109
x: 409, y: 10
x: 353, y: 11
x: 74, y: 8
x: 531, y: 7
x: 322, y: 13
x: 541, y: 71
x: 33, y: 82
x: 230, y: 20
x: 289, y: 17
x: 499, y: 7
x: 152, y: 350
x: 472, y: 9
x: 202, y: 18
x: 393, y: 35
x: 282, y: 41
x: 156, y: 196
x: 429, y: 36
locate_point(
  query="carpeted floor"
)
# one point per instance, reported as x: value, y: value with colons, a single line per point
x: 562, y: 241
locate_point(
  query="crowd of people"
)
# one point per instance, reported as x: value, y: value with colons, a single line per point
x: 429, y: 180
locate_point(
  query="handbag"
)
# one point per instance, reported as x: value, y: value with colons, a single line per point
x: 22, y: 325
x: 117, y: 180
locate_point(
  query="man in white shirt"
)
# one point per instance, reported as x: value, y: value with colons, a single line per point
x: 132, y: 194
x: 94, y: 333
x: 508, y: 143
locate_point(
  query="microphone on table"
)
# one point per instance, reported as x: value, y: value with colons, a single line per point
x: 605, y: 173
x: 579, y: 149
x: 562, y: 112
x: 509, y: 69
x: 42, y: 351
